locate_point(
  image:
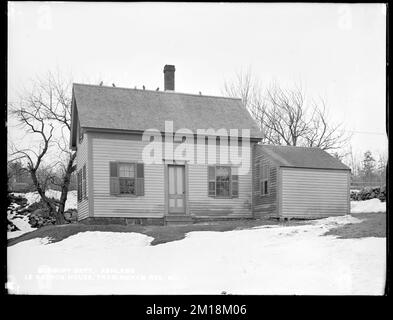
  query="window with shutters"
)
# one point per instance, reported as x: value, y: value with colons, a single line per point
x: 264, y: 179
x: 223, y: 182
x: 127, y: 178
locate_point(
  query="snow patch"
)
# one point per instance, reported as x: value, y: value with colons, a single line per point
x: 22, y: 224
x: 368, y: 206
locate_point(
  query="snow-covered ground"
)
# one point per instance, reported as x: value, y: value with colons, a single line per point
x: 371, y: 205
x: 262, y: 260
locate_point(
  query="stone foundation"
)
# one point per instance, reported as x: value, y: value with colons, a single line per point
x: 123, y: 221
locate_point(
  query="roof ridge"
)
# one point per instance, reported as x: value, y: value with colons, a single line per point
x: 282, y: 146
x: 155, y: 91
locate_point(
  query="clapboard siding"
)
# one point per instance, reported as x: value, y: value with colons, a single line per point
x: 200, y: 204
x: 151, y: 205
x: 265, y: 205
x: 314, y: 192
x: 82, y: 151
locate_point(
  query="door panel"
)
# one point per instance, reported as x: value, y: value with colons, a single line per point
x: 176, y: 189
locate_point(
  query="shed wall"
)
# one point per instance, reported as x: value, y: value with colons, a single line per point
x: 314, y: 192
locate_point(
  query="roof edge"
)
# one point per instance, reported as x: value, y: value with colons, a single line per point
x: 315, y: 168
x: 161, y: 92
x: 140, y: 132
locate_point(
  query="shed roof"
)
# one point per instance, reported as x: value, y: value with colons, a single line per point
x: 137, y: 110
x: 303, y: 157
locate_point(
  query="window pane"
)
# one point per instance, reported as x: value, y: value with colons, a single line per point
x: 127, y: 186
x: 222, y: 172
x: 223, y: 189
x: 266, y: 190
x: 126, y: 170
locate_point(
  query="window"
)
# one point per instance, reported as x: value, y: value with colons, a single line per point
x: 84, y: 180
x: 222, y: 182
x: 264, y: 179
x: 126, y: 178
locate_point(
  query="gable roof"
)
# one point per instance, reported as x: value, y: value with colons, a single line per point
x: 302, y: 157
x: 137, y: 110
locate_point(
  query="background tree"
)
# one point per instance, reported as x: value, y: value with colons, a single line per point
x: 45, y: 113
x: 368, y: 165
x: 285, y: 115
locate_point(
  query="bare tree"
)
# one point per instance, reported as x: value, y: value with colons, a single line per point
x: 285, y: 117
x: 45, y: 112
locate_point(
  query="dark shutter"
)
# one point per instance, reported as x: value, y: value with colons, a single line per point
x: 79, y: 175
x: 235, y: 183
x: 114, y: 187
x: 140, y: 179
x: 211, y: 181
x: 84, y: 182
x: 77, y: 186
x: 257, y: 175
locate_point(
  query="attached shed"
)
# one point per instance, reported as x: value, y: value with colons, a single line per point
x: 299, y: 182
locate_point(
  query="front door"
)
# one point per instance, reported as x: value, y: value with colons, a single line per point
x: 176, y: 189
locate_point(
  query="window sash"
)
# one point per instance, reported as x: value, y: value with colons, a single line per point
x: 127, y: 186
x: 223, y: 182
x: 264, y: 179
x: 126, y: 170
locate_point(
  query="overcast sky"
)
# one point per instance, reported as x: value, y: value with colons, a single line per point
x: 335, y: 51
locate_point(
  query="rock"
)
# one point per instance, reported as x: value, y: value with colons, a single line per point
x: 71, y: 215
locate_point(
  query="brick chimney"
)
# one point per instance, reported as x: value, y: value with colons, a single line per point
x: 169, y: 77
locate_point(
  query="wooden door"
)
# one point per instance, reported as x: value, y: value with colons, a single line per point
x: 176, y: 189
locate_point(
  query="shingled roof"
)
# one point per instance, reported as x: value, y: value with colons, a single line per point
x: 302, y: 157
x: 137, y: 110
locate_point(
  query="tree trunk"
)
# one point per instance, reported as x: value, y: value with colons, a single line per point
x: 64, y: 189
x: 41, y: 192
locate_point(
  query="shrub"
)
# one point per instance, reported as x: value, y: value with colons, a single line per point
x: 40, y: 218
x: 367, y: 193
